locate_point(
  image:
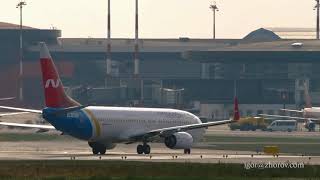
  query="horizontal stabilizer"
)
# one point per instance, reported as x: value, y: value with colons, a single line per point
x: 21, y: 109
x: 13, y: 114
x: 48, y: 127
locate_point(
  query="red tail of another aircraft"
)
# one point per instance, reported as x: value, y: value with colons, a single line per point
x: 236, y: 115
x: 55, y: 96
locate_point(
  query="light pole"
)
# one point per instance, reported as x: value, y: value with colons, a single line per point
x: 136, y: 53
x: 317, y: 8
x: 284, y: 97
x: 214, y: 8
x: 109, y: 61
x: 136, y: 46
x: 20, y: 6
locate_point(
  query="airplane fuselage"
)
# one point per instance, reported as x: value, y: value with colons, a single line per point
x: 313, y: 112
x: 118, y: 124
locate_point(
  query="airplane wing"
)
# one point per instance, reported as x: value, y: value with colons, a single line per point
x: 288, y: 117
x: 291, y: 110
x: 171, y: 130
x: 44, y: 127
x: 165, y: 132
x: 12, y: 114
x: 21, y: 109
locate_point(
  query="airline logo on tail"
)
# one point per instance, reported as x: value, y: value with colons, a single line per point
x: 52, y: 83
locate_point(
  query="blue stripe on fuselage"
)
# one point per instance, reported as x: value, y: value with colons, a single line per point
x: 76, y: 123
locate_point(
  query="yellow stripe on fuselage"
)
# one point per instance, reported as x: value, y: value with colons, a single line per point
x: 95, y: 121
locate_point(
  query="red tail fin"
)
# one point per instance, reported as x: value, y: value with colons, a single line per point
x: 236, y: 115
x: 55, y: 95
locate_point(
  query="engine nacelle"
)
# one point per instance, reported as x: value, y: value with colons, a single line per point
x: 110, y: 146
x: 179, y: 140
x: 310, y: 125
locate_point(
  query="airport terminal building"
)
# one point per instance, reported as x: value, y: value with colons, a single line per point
x: 266, y: 71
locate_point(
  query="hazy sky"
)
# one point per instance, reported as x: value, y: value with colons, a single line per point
x: 161, y: 18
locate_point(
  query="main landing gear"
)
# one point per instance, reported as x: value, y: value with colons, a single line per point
x: 187, y: 151
x: 97, y: 148
x: 143, y: 149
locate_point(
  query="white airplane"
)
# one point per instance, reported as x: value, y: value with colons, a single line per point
x: 104, y: 127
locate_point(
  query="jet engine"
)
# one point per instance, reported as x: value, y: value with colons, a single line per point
x: 110, y: 145
x: 179, y: 140
x: 310, y: 125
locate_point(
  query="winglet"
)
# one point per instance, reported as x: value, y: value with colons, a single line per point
x: 236, y: 115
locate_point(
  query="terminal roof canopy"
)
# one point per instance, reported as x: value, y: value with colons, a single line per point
x: 261, y: 35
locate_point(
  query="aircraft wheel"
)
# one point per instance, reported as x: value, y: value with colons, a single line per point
x: 95, y: 151
x: 187, y: 151
x: 97, y: 148
x: 103, y: 151
x: 140, y: 149
x: 146, y: 149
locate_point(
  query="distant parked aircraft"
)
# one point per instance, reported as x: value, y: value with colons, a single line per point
x: 309, y: 114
